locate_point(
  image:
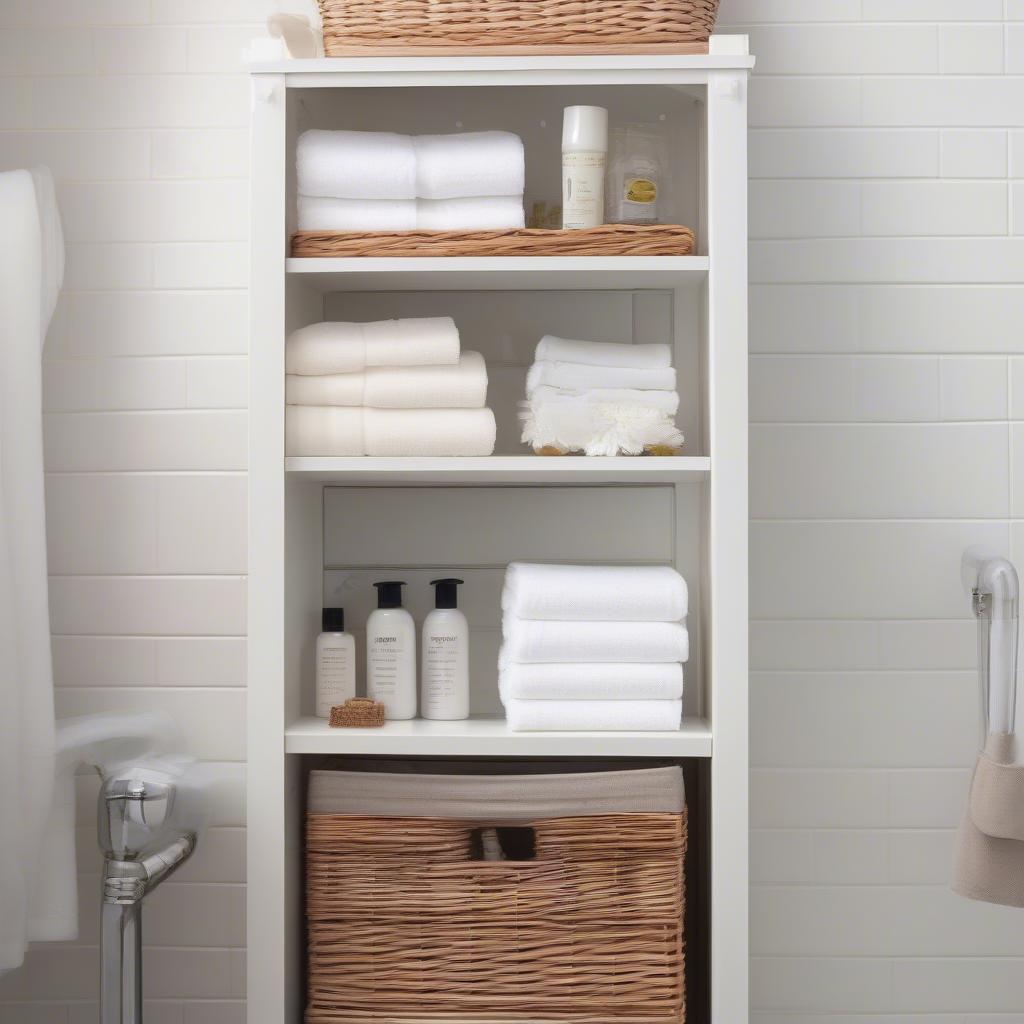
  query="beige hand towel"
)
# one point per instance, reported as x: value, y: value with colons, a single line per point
x: 990, y: 846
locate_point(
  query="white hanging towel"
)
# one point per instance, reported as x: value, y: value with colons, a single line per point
x: 32, y: 905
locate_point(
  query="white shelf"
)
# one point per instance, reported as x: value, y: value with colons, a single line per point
x: 483, y: 737
x: 498, y: 273
x: 504, y: 469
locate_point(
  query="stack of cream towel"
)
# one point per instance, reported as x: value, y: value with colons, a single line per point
x: 600, y: 399
x: 391, y: 388
x: 379, y: 181
x: 594, y: 648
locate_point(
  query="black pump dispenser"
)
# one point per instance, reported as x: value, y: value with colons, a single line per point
x: 446, y: 594
x: 389, y: 593
x: 332, y: 620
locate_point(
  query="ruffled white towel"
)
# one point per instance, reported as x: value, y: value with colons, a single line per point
x: 600, y: 353
x: 538, y: 640
x: 662, y: 681
x: 475, y: 213
x: 594, y: 715
x: 356, y: 165
x: 463, y: 386
x: 623, y: 593
x: 338, y: 347
x: 328, y: 213
x: 317, y: 431
x: 583, y: 423
x: 581, y: 377
x: 469, y: 164
x: 666, y: 402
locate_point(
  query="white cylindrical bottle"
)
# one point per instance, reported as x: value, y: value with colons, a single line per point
x: 335, y: 663
x: 445, y: 667
x: 391, y: 653
x: 584, y: 154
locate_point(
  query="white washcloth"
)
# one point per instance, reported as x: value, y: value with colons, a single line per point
x: 328, y: 213
x: 579, y: 423
x: 666, y: 402
x: 476, y: 213
x: 580, y: 377
x: 600, y: 353
x: 463, y: 386
x: 657, y: 681
x: 594, y: 715
x: 623, y: 593
x: 539, y: 640
x: 469, y: 164
x: 317, y: 431
x: 338, y: 347
x: 355, y: 165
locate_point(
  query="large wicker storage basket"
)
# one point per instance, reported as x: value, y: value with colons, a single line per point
x: 437, y: 27
x: 412, y: 916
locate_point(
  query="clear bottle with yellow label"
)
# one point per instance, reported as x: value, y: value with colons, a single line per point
x: 635, y: 175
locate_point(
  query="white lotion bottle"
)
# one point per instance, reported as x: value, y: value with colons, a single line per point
x: 391, y: 654
x: 335, y: 663
x: 445, y: 666
x: 584, y: 155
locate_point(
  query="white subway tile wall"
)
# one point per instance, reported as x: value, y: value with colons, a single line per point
x: 887, y: 407
x: 886, y: 376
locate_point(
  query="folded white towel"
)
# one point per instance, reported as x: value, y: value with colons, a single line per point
x: 580, y: 423
x: 355, y: 165
x: 476, y: 213
x: 580, y: 377
x: 538, y: 640
x: 338, y: 347
x: 658, y: 681
x: 666, y: 402
x: 317, y: 431
x: 622, y: 593
x: 594, y: 715
x: 600, y: 353
x: 462, y: 386
x: 328, y: 213
x: 469, y: 164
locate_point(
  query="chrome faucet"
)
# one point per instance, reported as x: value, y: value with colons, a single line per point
x: 141, y: 847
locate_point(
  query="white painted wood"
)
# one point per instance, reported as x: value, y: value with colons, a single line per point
x: 486, y: 737
x: 525, y: 273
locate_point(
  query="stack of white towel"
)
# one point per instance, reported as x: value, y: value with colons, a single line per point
x: 391, y: 388
x: 599, y: 398
x: 379, y: 181
x: 591, y: 647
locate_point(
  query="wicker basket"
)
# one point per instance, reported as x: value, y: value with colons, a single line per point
x: 606, y: 240
x: 438, y: 27
x: 405, y: 924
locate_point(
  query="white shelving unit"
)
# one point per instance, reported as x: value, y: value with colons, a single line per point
x: 323, y: 529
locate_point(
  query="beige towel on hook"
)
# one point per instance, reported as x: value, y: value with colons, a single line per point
x: 990, y: 845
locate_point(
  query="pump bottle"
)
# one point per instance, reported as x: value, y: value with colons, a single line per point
x: 391, y: 653
x: 445, y: 664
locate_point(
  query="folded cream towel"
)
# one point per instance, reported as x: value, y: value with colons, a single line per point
x: 469, y: 164
x: 594, y: 715
x: 546, y: 640
x: 581, y: 377
x: 580, y: 423
x: 666, y: 402
x: 338, y: 347
x: 462, y: 386
x: 317, y: 431
x: 356, y: 165
x: 633, y: 593
x: 328, y: 213
x: 600, y: 353
x: 476, y: 213
x: 630, y: 681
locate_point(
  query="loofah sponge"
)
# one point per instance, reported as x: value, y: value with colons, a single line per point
x: 358, y: 713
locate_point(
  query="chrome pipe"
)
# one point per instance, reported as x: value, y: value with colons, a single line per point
x: 121, y: 963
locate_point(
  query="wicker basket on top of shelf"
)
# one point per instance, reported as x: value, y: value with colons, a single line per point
x: 438, y: 27
x: 606, y: 240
